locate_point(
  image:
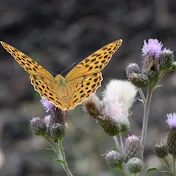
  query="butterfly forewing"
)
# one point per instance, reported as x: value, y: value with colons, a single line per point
x: 29, y: 65
x: 95, y: 62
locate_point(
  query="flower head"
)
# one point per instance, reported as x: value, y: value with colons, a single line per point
x: 152, y: 48
x: 171, y: 120
x: 118, y: 98
x: 48, y: 106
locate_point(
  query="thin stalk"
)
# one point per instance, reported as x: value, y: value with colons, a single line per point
x: 145, y: 117
x: 168, y: 166
x: 173, y: 166
x: 119, y: 142
x: 141, y: 95
x: 62, y: 154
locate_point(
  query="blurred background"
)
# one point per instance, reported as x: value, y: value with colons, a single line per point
x: 56, y: 34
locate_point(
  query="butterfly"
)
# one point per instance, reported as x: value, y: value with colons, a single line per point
x: 79, y: 83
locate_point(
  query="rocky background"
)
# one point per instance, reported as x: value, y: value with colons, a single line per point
x: 57, y: 33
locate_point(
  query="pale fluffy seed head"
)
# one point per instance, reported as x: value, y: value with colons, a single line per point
x: 120, y: 92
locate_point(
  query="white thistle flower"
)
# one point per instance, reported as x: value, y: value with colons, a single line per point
x: 118, y: 98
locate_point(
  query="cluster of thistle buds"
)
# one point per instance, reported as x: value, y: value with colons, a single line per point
x: 156, y: 63
x: 51, y: 126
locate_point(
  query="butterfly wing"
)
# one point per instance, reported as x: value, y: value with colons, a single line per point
x: 95, y: 62
x: 27, y: 63
x: 50, y: 90
x: 85, y: 78
x: 41, y: 79
x: 82, y: 87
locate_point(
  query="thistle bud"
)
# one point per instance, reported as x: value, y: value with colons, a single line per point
x: 161, y: 150
x: 57, y: 131
x: 139, y: 80
x: 114, y: 159
x: 133, y: 148
x: 38, y: 126
x: 135, y: 165
x: 93, y: 106
x: 132, y: 68
x: 166, y: 60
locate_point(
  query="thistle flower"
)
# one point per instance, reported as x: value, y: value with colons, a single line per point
x: 118, y: 92
x: 171, y: 120
x: 38, y: 126
x: 135, y: 165
x: 132, y: 68
x: 132, y: 148
x: 48, y: 106
x: 161, y: 150
x: 117, y: 100
x: 152, y: 49
x: 114, y: 159
x: 171, y: 140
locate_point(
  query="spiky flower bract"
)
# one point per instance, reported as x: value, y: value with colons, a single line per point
x: 114, y: 159
x: 161, y: 150
x: 135, y: 165
x: 38, y: 126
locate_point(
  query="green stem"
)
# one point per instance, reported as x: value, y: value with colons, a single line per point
x: 167, y: 163
x: 145, y: 117
x: 119, y: 142
x: 141, y: 95
x: 61, y: 155
x: 173, y: 166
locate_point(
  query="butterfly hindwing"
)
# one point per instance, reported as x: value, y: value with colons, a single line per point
x: 50, y: 90
x: 83, y: 88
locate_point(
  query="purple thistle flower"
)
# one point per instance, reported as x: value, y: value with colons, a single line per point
x: 171, y: 120
x: 48, y: 106
x: 152, y: 48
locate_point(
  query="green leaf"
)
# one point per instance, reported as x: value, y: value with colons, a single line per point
x: 158, y: 86
x: 150, y: 169
x: 61, y: 161
x: 50, y: 149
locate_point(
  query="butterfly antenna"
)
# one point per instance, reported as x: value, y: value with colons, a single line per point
x: 68, y: 67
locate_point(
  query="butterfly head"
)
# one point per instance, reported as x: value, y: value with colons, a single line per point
x: 60, y: 80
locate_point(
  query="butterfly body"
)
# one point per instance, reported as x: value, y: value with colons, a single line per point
x: 60, y: 80
x: 79, y: 83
